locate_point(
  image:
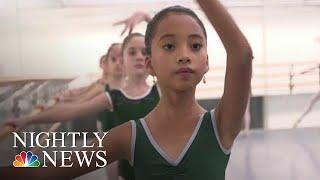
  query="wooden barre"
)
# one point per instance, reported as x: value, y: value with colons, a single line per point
x: 273, y: 65
x: 9, y: 129
x: 260, y: 86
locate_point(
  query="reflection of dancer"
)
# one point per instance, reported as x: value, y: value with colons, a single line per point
x: 247, y: 117
x: 315, y: 98
x: 291, y: 75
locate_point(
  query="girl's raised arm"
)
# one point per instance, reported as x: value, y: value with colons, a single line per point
x: 229, y: 112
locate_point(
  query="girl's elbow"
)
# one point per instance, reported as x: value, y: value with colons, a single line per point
x: 246, y: 56
x: 242, y: 56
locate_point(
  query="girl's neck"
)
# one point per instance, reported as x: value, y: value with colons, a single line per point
x: 136, y: 81
x: 104, y: 79
x: 116, y: 81
x: 105, y: 76
x: 176, y: 106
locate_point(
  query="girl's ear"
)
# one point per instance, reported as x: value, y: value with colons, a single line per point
x: 149, y: 66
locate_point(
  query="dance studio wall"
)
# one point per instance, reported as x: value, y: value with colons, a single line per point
x: 277, y: 112
x: 256, y: 109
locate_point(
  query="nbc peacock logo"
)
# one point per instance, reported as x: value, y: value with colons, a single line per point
x: 26, y: 160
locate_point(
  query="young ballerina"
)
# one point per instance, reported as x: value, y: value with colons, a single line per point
x: 314, y: 99
x: 195, y: 145
x: 247, y: 117
x: 176, y: 45
x: 112, y: 75
x: 135, y: 99
x: 178, y: 139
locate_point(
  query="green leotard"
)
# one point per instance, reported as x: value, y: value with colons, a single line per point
x: 126, y: 108
x: 203, y: 158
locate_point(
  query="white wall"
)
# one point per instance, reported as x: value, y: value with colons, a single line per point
x: 43, y: 38
x: 63, y: 38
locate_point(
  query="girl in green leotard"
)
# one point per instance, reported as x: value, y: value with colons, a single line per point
x: 112, y: 77
x: 112, y: 65
x: 178, y: 139
x: 133, y: 100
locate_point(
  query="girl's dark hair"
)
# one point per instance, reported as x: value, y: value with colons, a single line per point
x: 102, y: 58
x: 152, y: 25
x: 106, y: 57
x: 127, y: 40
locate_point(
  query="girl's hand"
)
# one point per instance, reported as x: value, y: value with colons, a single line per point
x: 132, y: 21
x: 15, y: 124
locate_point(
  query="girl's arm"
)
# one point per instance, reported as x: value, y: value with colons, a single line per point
x: 75, y: 94
x: 78, y: 91
x: 117, y: 144
x: 93, y: 92
x: 230, y: 110
x: 64, y: 112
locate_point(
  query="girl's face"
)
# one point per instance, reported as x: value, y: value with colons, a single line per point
x: 134, y: 57
x: 114, y: 63
x: 179, y: 52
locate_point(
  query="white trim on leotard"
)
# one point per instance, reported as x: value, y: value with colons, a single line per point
x: 133, y: 140
x: 162, y: 152
x: 136, y: 97
x: 213, y: 119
